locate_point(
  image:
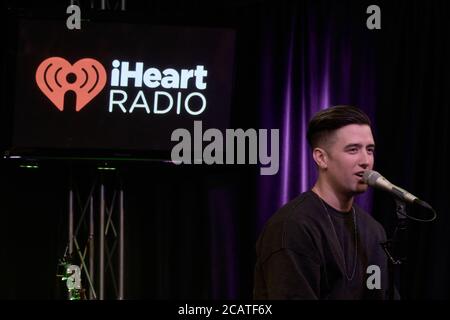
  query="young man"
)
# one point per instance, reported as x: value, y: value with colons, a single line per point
x: 320, y: 244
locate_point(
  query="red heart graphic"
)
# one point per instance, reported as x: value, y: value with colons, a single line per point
x: 51, y: 77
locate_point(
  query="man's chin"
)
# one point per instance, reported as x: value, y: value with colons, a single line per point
x: 361, y: 188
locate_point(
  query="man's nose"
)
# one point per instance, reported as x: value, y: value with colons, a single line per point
x: 365, y: 159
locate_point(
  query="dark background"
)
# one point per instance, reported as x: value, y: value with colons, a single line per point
x: 190, y: 231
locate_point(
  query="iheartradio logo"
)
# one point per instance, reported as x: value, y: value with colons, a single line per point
x: 55, y: 76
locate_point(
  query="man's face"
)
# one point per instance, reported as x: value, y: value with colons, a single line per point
x: 350, y: 152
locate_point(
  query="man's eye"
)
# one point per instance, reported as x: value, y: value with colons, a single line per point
x: 370, y: 151
x: 353, y: 150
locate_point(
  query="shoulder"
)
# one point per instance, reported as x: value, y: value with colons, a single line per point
x: 300, y: 211
x: 295, y: 226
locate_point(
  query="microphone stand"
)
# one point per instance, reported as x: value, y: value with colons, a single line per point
x: 395, y: 248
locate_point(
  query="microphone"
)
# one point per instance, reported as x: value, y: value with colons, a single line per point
x: 376, y: 180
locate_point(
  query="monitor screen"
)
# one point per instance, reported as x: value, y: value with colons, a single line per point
x: 117, y: 88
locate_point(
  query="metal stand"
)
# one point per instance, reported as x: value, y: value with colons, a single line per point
x: 395, y: 248
x: 108, y: 235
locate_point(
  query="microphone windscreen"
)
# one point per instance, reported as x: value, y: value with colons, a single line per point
x: 370, y: 176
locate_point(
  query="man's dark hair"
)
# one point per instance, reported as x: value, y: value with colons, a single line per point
x: 325, y: 122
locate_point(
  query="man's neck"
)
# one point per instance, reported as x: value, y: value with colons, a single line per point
x: 338, y: 201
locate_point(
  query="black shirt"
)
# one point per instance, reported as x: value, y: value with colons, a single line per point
x: 307, y: 251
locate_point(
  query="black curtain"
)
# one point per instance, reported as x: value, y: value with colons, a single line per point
x: 413, y: 139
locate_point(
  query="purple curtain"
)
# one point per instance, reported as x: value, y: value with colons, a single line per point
x: 309, y: 61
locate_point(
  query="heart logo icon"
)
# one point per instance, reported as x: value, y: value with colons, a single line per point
x: 55, y: 76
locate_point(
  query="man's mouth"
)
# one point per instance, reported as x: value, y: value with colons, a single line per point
x: 360, y: 174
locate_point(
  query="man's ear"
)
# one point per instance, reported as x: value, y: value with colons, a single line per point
x: 320, y: 157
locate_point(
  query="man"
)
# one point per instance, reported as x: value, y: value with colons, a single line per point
x: 320, y: 244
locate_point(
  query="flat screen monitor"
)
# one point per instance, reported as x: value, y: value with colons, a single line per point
x: 116, y: 88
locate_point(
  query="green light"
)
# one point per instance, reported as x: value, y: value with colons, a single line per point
x: 106, y: 168
x: 29, y: 166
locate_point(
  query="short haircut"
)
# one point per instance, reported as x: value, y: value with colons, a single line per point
x: 326, y: 121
